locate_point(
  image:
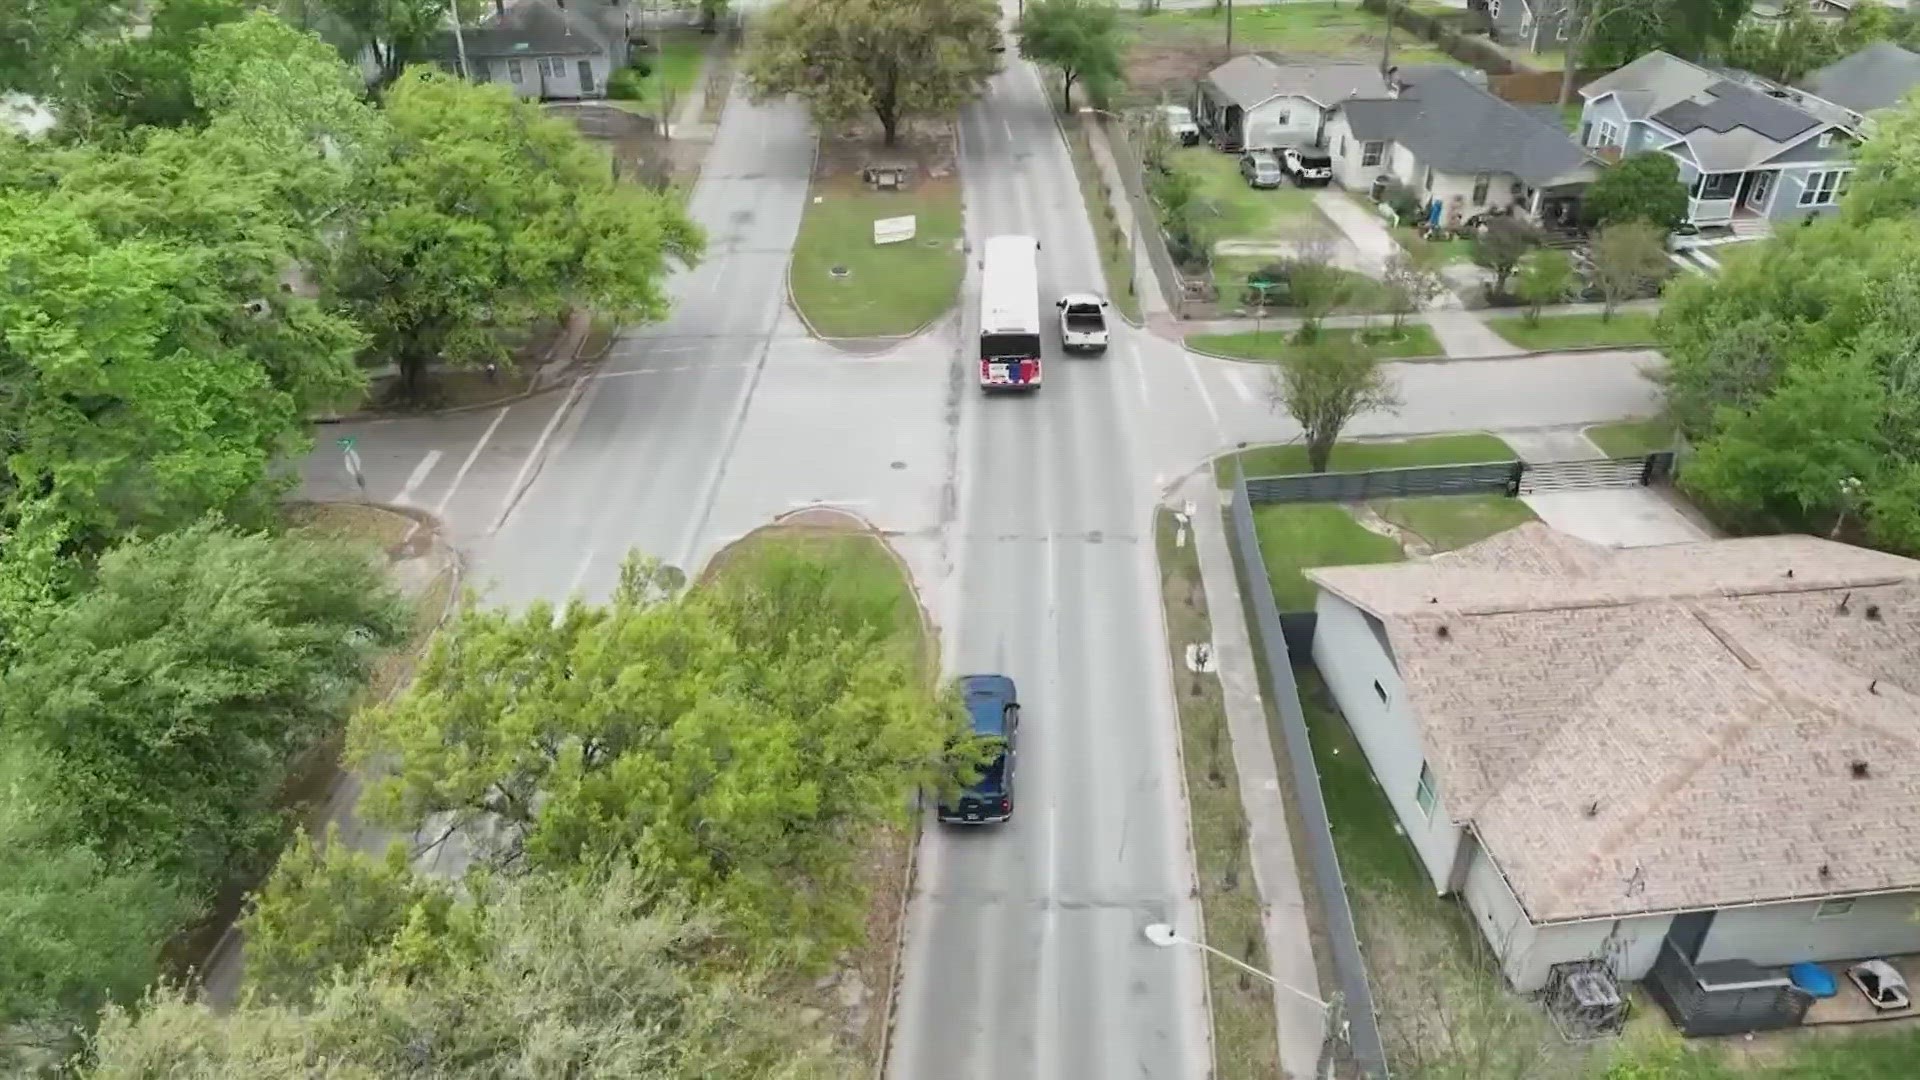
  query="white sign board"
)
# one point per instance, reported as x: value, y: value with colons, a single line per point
x: 893, y: 230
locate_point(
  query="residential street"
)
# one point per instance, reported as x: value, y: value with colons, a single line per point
x: 1025, y: 519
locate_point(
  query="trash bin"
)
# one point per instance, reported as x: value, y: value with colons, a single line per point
x: 1378, y: 189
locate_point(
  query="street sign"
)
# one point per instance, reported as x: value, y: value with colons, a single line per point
x: 894, y: 230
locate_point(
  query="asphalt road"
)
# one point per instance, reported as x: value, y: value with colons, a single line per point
x: 1024, y: 953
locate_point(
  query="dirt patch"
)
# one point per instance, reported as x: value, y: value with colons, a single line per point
x: 1154, y: 66
x: 927, y: 149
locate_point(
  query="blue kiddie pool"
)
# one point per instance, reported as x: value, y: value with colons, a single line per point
x: 1812, y: 978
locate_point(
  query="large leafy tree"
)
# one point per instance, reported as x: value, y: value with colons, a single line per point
x: 171, y: 695
x: 548, y: 975
x: 895, y: 59
x: 1324, y: 386
x: 737, y: 740
x: 486, y: 214
x: 1629, y: 261
x: 1079, y: 38
x: 1689, y: 28
x: 77, y: 930
x: 1644, y: 186
x: 1591, y: 21
x: 393, y: 32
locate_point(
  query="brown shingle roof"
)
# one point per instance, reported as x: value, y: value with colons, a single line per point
x: 1665, y: 728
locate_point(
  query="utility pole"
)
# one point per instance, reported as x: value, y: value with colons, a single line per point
x: 1386, y: 45
x: 1229, y: 29
x: 459, y: 41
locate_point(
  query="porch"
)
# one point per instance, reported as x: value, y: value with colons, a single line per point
x: 1740, y: 201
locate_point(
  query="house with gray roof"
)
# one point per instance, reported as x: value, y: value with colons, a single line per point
x: 1877, y: 77
x: 544, y: 49
x: 1255, y: 102
x: 1704, y: 755
x: 1462, y: 150
x: 1751, y: 152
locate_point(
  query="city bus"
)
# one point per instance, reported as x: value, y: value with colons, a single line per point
x: 1010, y: 313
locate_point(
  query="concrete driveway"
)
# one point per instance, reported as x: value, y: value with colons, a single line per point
x: 1616, y: 517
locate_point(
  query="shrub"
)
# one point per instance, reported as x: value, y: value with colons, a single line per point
x: 629, y: 83
x: 1403, y: 201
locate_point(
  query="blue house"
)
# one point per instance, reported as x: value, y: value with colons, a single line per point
x: 1752, y: 153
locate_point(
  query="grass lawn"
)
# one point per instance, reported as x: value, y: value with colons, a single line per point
x: 892, y: 289
x: 1243, y: 1034
x: 1315, y: 28
x: 1415, y: 340
x: 1372, y: 854
x: 1570, y: 115
x: 1357, y: 456
x: 676, y: 67
x: 1247, y: 213
x: 1230, y: 272
x: 1630, y: 438
x: 869, y: 589
x: 1626, y: 328
x: 1443, y: 252
x: 1447, y: 522
x: 1301, y: 536
x: 1116, y: 254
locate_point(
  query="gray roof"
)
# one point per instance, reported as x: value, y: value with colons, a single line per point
x: 1876, y: 77
x: 540, y: 28
x: 1652, y: 82
x: 1248, y: 80
x: 1457, y: 127
x: 1727, y: 105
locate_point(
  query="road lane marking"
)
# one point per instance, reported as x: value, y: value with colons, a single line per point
x: 580, y: 573
x: 1206, y: 398
x: 533, y: 456
x: 1239, y: 380
x: 414, y: 478
x: 440, y: 508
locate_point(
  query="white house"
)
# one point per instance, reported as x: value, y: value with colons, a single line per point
x: 1462, y: 150
x: 543, y: 48
x: 1714, y: 745
x: 1254, y: 102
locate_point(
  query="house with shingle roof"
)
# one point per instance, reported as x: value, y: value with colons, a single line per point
x: 1713, y: 746
x: 1877, y: 77
x: 1462, y: 150
x: 546, y: 49
x: 1255, y: 102
x: 1752, y: 153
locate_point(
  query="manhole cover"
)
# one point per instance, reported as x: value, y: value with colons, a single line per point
x: 838, y: 272
x: 898, y: 465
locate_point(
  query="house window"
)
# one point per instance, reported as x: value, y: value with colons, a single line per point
x: 513, y: 70
x: 549, y: 67
x: 1284, y: 117
x: 1825, y: 188
x: 1425, y: 793
x: 1381, y: 691
x: 1480, y: 183
x: 1826, y: 139
x: 1834, y: 909
x: 1343, y: 146
x: 1371, y: 153
x: 1609, y: 134
x: 1493, y: 9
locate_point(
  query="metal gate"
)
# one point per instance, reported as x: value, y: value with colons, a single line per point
x: 1509, y: 478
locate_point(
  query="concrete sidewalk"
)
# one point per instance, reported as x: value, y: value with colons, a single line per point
x: 1153, y: 300
x: 1614, y: 517
x: 1368, y: 234
x: 1283, y: 909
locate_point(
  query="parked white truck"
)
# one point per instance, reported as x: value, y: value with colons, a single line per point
x: 1083, y: 322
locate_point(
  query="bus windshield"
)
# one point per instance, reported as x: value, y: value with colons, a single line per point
x: 1020, y: 345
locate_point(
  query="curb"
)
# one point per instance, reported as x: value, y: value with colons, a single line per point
x: 1527, y: 355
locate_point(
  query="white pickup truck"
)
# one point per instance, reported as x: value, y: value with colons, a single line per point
x: 1083, y: 322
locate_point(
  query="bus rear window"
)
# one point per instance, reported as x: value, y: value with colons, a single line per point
x: 992, y: 345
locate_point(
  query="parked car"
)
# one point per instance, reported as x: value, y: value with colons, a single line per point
x: 1083, y: 322
x: 1261, y: 168
x: 993, y: 711
x: 1307, y: 167
x: 1178, y: 120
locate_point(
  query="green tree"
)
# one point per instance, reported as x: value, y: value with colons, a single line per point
x: 1629, y: 258
x: 1786, y: 49
x: 42, y: 40
x: 488, y: 214
x: 1589, y: 21
x: 172, y: 694
x: 81, y: 931
x: 1324, y: 386
x: 1079, y: 38
x: 1500, y: 245
x: 1887, y: 182
x: 1411, y: 281
x: 1546, y: 277
x: 1315, y: 287
x: 132, y: 80
x: 896, y: 59
x: 1787, y: 463
x: 547, y: 975
x: 1644, y: 186
x: 394, y: 32
x: 327, y: 910
x: 734, y: 740
x: 1692, y: 29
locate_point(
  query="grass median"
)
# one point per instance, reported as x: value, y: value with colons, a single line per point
x: 1116, y: 249
x: 1244, y: 1041
x: 1627, y: 329
x: 1269, y: 346
x: 1631, y: 438
x: 872, y: 589
x: 847, y: 286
